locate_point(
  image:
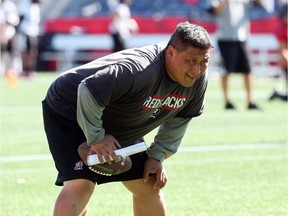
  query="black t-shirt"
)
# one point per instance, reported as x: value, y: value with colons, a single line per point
x: 135, y: 89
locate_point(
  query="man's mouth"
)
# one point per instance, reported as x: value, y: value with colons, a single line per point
x: 191, y: 76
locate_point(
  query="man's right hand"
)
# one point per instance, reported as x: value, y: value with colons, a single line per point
x: 105, y: 148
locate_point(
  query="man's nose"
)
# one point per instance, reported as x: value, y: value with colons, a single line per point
x: 196, y: 69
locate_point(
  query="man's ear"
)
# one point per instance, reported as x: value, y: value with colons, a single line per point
x: 171, y: 50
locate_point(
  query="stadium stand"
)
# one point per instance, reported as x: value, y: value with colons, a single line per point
x: 85, y: 25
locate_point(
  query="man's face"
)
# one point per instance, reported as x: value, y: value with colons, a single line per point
x: 185, y: 67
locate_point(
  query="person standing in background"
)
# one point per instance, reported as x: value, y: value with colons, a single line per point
x: 28, y: 31
x: 9, y: 19
x: 122, y: 25
x: 282, y: 37
x: 233, y: 31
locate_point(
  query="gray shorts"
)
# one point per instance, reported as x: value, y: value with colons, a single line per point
x: 64, y: 136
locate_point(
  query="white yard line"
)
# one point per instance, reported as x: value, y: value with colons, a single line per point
x: 184, y: 149
x: 20, y: 109
x: 234, y: 147
x: 19, y: 158
x: 230, y: 159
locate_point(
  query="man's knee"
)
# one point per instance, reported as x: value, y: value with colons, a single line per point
x: 139, y: 189
x: 79, y: 186
x: 73, y: 197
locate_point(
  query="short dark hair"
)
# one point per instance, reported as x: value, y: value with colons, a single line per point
x: 187, y: 34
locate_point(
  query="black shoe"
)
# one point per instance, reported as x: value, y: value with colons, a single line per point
x: 253, y: 106
x: 229, y: 106
x: 278, y: 95
x: 274, y: 95
x: 284, y: 97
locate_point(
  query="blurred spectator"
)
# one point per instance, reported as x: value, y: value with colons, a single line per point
x: 281, y: 35
x: 28, y: 31
x: 233, y: 31
x: 9, y: 19
x: 122, y: 25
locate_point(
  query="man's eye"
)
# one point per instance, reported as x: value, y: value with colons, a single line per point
x: 205, y: 61
x: 193, y: 61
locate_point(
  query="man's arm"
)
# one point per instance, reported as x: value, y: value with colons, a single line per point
x: 89, y: 117
x: 165, y: 144
x: 168, y: 138
x: 216, y: 7
x: 89, y: 114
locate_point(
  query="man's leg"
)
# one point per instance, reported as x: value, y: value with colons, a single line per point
x: 146, y: 200
x: 224, y: 84
x: 73, y: 198
x: 247, y: 85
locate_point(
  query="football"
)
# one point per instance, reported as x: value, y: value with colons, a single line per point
x: 115, y: 168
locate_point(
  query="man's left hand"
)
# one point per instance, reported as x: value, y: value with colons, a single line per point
x: 153, y: 166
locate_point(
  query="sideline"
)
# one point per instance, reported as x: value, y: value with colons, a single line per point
x: 234, y: 147
x: 184, y: 149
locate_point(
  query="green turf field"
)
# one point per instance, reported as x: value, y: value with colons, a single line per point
x: 231, y: 163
